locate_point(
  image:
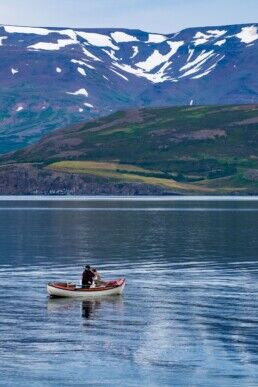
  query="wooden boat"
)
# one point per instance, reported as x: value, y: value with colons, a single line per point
x: 63, y: 289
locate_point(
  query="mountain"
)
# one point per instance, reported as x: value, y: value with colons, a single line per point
x: 52, y: 77
x: 174, y: 150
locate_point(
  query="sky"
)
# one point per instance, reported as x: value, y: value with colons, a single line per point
x: 165, y: 16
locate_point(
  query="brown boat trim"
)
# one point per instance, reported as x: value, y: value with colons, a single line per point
x: 97, y: 289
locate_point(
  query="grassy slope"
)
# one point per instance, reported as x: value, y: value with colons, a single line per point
x: 128, y: 173
x: 195, y: 149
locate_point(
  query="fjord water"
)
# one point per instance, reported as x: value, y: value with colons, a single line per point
x: 189, y: 313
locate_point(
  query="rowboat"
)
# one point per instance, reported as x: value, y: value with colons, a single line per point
x: 64, y: 289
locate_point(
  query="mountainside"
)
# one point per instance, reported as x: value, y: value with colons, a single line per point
x: 51, y: 77
x: 176, y: 150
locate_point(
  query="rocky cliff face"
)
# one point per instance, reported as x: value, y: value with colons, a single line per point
x: 25, y: 179
x: 51, y: 77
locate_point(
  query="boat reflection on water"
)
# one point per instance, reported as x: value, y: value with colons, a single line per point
x: 89, y: 309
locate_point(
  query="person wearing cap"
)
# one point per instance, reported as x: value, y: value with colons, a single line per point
x: 87, y: 277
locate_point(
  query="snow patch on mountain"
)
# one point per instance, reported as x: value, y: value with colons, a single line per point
x: 220, y: 42
x: 79, y: 62
x: 202, y: 56
x: 206, y: 72
x: 98, y: 40
x: 196, y: 64
x: 89, y: 105
x: 152, y: 61
x: 110, y: 53
x: 135, y: 52
x: 71, y: 33
x: 156, y: 38
x: 52, y: 46
x: 209, y: 69
x: 202, y: 38
x: 90, y: 55
x: 82, y: 63
x: 191, y: 51
x: 27, y: 30
x: 156, y: 58
x: 248, y: 34
x: 14, y: 71
x: 120, y: 75
x: 216, y: 33
x: 89, y: 66
x: 161, y: 74
x: 41, y: 31
x: 122, y: 37
x: 155, y: 78
x: 81, y: 71
x: 79, y: 92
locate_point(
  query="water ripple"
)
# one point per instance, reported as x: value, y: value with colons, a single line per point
x: 189, y: 312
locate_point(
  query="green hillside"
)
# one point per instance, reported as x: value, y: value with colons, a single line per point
x: 182, y: 149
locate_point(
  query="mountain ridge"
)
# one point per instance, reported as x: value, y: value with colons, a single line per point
x: 132, y: 29
x: 53, y: 77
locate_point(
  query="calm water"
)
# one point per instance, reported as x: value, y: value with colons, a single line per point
x: 189, y: 314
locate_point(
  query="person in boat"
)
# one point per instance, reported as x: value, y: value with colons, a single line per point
x: 97, y: 279
x: 87, y: 277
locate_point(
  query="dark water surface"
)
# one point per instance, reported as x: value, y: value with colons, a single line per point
x: 189, y: 314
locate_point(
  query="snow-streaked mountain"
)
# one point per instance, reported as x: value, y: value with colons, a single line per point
x: 51, y: 77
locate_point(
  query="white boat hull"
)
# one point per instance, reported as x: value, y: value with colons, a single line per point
x: 57, y: 290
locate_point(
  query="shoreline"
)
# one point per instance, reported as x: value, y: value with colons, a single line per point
x: 99, y: 198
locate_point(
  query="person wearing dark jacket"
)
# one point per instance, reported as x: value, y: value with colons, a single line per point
x: 87, y: 277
